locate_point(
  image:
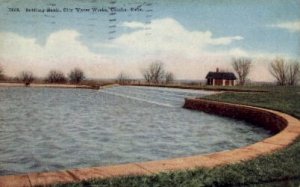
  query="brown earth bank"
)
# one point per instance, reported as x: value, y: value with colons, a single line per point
x: 34, y: 85
x: 285, y: 127
x: 44, y: 85
x: 203, y: 87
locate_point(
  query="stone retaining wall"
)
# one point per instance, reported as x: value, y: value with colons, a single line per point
x: 262, y: 118
x: 286, y: 127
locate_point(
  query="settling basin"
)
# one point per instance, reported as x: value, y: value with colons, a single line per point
x: 46, y: 129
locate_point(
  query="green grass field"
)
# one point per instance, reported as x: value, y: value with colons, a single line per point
x: 280, y: 166
x: 284, y: 99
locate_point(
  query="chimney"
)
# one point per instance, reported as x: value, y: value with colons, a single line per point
x: 217, y: 70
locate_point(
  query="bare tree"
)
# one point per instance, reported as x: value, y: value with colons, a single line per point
x: 242, y: 67
x: 123, y: 78
x: 155, y: 73
x: 293, y: 73
x: 169, y: 77
x: 76, y: 75
x: 26, y: 77
x: 147, y: 76
x: 1, y: 72
x: 278, y: 68
x: 56, y: 76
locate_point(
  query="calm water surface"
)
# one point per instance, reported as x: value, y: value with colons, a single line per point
x: 43, y: 129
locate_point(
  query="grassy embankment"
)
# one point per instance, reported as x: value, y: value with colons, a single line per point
x: 282, y: 165
x: 258, y: 88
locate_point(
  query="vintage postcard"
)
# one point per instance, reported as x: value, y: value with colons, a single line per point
x: 149, y: 92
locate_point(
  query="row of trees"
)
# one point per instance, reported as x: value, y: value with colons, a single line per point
x: 54, y: 76
x: 75, y: 76
x: 285, y: 72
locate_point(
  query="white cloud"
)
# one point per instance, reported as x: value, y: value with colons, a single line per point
x: 168, y: 35
x: 62, y: 50
x: 291, y: 26
x: 133, y: 25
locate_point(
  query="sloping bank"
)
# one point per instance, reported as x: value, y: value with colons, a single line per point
x: 286, y: 127
x: 52, y: 85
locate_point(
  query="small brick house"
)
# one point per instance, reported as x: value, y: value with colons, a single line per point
x: 220, y: 78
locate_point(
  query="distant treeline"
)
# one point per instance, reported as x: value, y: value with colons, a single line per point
x: 285, y: 72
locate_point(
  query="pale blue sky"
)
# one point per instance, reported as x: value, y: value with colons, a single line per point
x: 250, y: 27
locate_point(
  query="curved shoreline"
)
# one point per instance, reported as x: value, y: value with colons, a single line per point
x: 187, y: 87
x: 288, y: 129
x: 52, y: 85
x: 36, y: 85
